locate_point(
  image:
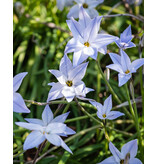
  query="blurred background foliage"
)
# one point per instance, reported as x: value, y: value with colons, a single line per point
x: 40, y: 34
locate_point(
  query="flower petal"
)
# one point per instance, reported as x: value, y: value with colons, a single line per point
x: 114, y: 114
x: 34, y: 121
x: 74, y: 12
x: 137, y: 64
x: 115, y: 67
x: 130, y: 147
x: 108, y: 104
x: 109, y: 160
x: 30, y: 126
x: 125, y: 61
x: 53, y: 139
x: 47, y: 115
x: 126, y: 36
x: 123, y: 78
x: 60, y: 4
x: 69, y: 131
x: 18, y: 80
x: 68, y: 93
x: 65, y: 65
x: 34, y: 139
x: 116, y: 154
x: 19, y: 104
x: 135, y: 161
x: 115, y: 58
x: 61, y: 118
x: 59, y: 75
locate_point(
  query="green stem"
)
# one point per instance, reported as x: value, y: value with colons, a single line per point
x: 111, y: 90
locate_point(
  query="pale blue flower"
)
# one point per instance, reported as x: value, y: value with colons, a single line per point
x: 136, y: 2
x: 18, y: 102
x: 104, y: 111
x: 123, y: 65
x: 70, y: 82
x: 126, y: 156
x: 86, y: 41
x: 88, y: 5
x: 48, y: 128
x: 62, y: 3
x: 125, y: 39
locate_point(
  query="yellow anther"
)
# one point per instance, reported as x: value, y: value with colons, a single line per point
x: 122, y: 161
x: 127, y: 72
x: 86, y: 44
x: 43, y: 132
x: 69, y: 83
x: 104, y: 115
x: 85, y: 5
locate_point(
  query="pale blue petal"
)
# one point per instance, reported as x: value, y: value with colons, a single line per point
x: 34, y: 121
x: 34, y: 139
x: 94, y: 3
x: 116, y: 154
x: 53, y: 139
x: 92, y: 12
x: 109, y: 160
x: 18, y: 80
x: 103, y: 40
x: 55, y: 92
x: 125, y: 61
x: 84, y: 18
x: 115, y: 58
x: 103, y: 50
x: 73, y: 45
x: 75, y: 28
x: 115, y: 67
x: 79, y: 89
x: 126, y: 36
x: 56, y: 127
x: 87, y: 90
x: 60, y: 4
x: 114, y: 114
x: 118, y: 41
x: 47, y: 115
x: 74, y: 12
x: 30, y: 126
x: 69, y: 131
x: 78, y: 72
x: 97, y: 105
x: 108, y: 104
x: 100, y: 115
x: 137, y: 64
x: 123, y: 79
x: 19, y: 104
x: 78, y: 58
x: 65, y: 65
x: 68, y: 93
x: 61, y: 118
x: 65, y: 146
x: 129, y: 45
x: 90, y: 51
x: 135, y: 161
x: 130, y: 147
x: 58, y: 74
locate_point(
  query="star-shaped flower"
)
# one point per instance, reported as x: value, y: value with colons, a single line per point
x: 104, y: 111
x: 62, y: 3
x: 125, y: 39
x: 48, y: 128
x: 123, y: 65
x: 18, y: 102
x: 86, y: 41
x: 70, y: 81
x: 126, y: 156
x: 88, y: 5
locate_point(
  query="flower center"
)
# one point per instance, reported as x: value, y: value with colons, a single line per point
x: 86, y: 44
x: 104, y: 115
x: 122, y: 161
x: 127, y: 72
x: 43, y: 132
x: 69, y: 83
x: 85, y: 5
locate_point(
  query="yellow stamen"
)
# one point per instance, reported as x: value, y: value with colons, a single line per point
x: 127, y: 72
x: 69, y: 83
x: 122, y: 161
x: 44, y: 132
x: 104, y: 115
x: 86, y: 44
x: 85, y: 5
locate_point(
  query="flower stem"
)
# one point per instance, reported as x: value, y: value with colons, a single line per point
x: 111, y: 90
